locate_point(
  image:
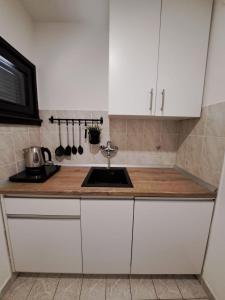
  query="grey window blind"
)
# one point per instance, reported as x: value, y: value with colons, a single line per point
x: 12, y: 87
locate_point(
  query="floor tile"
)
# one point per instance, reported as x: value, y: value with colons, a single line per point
x: 69, y: 288
x: 166, y: 289
x: 93, y: 288
x: 142, y: 288
x: 20, y: 288
x: 44, y: 288
x: 118, y: 288
x: 191, y: 288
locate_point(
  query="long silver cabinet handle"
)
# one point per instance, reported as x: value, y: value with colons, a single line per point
x: 43, y: 217
x: 163, y: 99
x: 151, y: 99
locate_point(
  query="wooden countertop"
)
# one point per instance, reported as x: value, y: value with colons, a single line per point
x: 147, y: 182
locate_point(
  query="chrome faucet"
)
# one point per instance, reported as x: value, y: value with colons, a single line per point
x: 109, y: 150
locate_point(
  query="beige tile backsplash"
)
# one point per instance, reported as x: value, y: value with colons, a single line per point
x: 196, y: 145
x: 140, y: 141
x: 202, y: 144
x: 13, y: 139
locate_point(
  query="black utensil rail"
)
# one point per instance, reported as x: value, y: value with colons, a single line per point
x: 76, y: 121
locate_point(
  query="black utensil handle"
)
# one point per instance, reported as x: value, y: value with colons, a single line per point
x: 73, y: 133
x: 85, y: 133
x: 60, y: 139
x: 79, y: 134
x: 67, y: 129
x: 46, y: 150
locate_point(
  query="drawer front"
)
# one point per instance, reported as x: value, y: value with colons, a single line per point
x: 42, y: 206
x: 46, y: 246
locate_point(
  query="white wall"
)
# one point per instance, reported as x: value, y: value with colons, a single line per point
x: 16, y: 27
x: 214, y: 269
x: 72, y: 61
x: 215, y: 74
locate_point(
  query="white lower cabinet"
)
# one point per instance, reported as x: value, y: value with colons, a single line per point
x: 43, y: 240
x: 170, y: 236
x: 106, y: 236
x: 118, y: 236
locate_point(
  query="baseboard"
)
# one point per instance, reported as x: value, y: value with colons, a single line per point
x: 207, y: 289
x: 8, y: 284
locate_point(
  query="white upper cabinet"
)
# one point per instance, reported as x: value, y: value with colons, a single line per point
x: 157, y: 57
x: 185, y: 26
x: 133, y: 56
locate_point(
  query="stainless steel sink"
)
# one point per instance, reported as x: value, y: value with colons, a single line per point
x: 104, y: 177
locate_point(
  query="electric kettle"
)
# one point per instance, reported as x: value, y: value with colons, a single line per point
x: 35, y: 157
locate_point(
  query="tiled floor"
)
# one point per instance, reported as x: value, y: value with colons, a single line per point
x: 56, y: 287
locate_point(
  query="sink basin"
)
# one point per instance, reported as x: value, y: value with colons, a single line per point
x: 103, y: 177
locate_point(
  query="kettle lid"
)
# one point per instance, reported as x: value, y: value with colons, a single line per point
x: 31, y: 148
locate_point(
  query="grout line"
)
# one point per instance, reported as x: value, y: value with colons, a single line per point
x: 32, y: 287
x: 59, y: 278
x: 82, y: 279
x: 14, y: 149
x: 155, y: 288
x: 179, y: 288
x: 130, y: 286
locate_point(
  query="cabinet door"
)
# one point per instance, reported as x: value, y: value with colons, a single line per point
x: 106, y: 236
x: 5, y: 269
x: 170, y: 237
x: 133, y: 56
x: 46, y: 245
x: 184, y: 38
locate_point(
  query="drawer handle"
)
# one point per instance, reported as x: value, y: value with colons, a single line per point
x: 43, y: 217
x: 151, y: 99
x: 163, y: 99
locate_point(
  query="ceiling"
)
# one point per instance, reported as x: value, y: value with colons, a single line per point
x: 91, y: 11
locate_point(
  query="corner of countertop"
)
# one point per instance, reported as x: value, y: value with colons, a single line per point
x: 196, y: 179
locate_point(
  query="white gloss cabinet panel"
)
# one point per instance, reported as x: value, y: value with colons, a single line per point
x: 133, y: 56
x: 106, y: 236
x: 42, y: 206
x: 185, y: 26
x: 5, y: 270
x: 46, y: 245
x: 170, y: 237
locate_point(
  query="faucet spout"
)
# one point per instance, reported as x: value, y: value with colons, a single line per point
x: 109, y: 163
x: 109, y: 150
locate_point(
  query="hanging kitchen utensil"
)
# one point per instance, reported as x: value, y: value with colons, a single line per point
x: 59, y: 151
x: 67, y: 150
x: 80, y: 148
x: 74, y: 148
x: 85, y: 133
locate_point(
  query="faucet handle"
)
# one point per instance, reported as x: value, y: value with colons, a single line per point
x: 109, y: 150
x: 109, y: 147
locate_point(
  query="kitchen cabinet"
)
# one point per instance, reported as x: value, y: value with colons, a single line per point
x: 5, y: 269
x: 157, y: 57
x: 183, y: 49
x: 170, y: 236
x: 106, y: 235
x: 45, y: 234
x: 133, y: 56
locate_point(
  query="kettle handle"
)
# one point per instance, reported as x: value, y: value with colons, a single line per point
x: 46, y: 150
